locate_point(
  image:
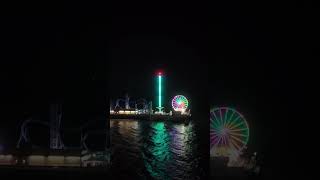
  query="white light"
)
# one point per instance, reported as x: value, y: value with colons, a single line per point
x: 36, y: 157
x: 5, y: 157
x: 72, y: 158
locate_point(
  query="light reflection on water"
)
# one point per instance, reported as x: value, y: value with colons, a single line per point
x: 159, y: 150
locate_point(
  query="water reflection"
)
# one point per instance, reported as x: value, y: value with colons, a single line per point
x: 156, y: 153
x: 159, y: 150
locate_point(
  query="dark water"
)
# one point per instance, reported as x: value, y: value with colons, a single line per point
x: 155, y: 150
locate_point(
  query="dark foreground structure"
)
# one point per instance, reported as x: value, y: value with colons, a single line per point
x: 50, y: 172
x: 220, y: 170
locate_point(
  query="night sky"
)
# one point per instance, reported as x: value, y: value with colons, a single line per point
x: 227, y: 57
x: 250, y: 72
x: 141, y: 46
x: 49, y: 60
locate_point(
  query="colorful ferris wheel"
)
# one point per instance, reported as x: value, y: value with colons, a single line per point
x: 179, y: 103
x: 229, y: 132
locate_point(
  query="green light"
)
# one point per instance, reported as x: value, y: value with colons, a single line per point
x: 159, y: 154
x: 159, y: 77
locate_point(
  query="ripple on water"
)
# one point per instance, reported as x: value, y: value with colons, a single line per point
x: 161, y: 150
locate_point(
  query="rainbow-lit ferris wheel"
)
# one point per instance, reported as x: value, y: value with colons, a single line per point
x: 179, y: 103
x: 229, y: 132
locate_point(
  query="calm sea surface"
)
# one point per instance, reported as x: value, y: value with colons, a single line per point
x: 154, y: 150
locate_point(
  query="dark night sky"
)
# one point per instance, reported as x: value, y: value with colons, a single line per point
x: 251, y: 73
x: 143, y: 45
x: 52, y: 59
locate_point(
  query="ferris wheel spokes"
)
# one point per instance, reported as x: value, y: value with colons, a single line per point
x: 229, y: 132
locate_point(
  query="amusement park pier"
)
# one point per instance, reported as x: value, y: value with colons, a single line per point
x: 141, y: 109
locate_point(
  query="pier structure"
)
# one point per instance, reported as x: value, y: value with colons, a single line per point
x: 129, y: 106
x: 126, y: 108
x: 58, y: 154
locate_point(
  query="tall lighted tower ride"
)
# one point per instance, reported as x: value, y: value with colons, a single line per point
x: 159, y: 89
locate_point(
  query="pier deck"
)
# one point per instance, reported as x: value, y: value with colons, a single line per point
x: 152, y: 117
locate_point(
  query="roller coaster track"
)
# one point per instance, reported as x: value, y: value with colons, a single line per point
x: 128, y: 103
x: 24, y: 133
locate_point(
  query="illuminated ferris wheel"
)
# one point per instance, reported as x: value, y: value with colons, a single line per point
x: 179, y: 103
x: 229, y: 132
